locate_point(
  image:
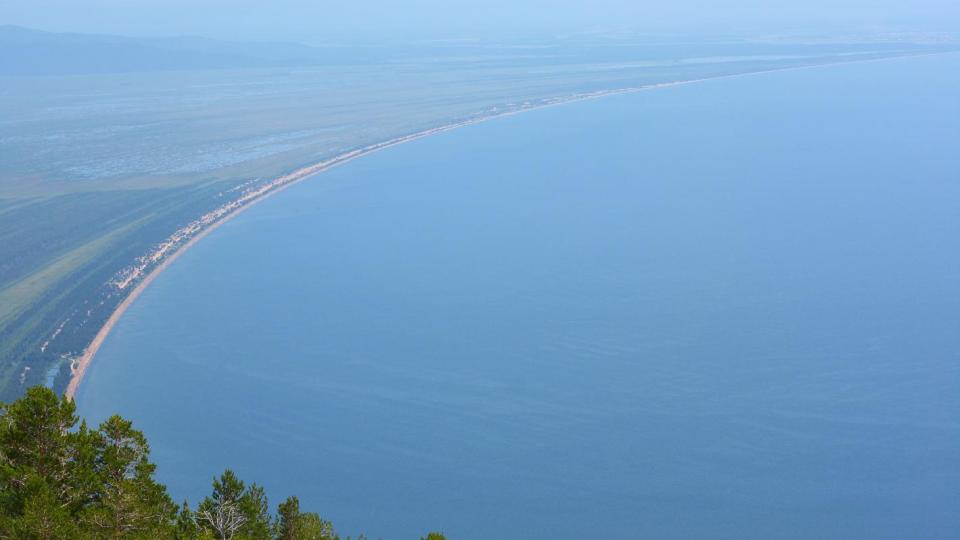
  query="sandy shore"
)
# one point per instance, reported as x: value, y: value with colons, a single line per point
x: 82, y: 363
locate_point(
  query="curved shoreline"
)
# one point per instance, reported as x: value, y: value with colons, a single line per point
x: 82, y: 363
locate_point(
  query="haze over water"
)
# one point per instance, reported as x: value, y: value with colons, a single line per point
x: 728, y: 309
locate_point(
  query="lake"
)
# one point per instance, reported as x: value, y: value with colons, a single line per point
x: 729, y: 309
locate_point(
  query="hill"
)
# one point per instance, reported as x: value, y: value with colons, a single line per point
x: 34, y: 52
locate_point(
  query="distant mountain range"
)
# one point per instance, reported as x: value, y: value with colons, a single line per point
x: 25, y: 51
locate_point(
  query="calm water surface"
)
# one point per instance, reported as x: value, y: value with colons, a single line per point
x: 729, y: 310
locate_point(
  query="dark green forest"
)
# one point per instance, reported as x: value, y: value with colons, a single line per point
x: 61, y: 479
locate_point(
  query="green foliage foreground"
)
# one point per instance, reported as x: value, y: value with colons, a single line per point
x: 60, y: 481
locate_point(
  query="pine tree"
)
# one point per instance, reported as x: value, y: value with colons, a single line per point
x: 220, y: 513
x: 311, y: 527
x: 129, y: 503
x: 295, y: 525
x: 43, y: 467
x: 234, y: 511
x: 55, y: 480
x: 185, y: 527
x: 35, y: 449
x: 43, y: 518
x: 287, y: 515
x: 255, y: 507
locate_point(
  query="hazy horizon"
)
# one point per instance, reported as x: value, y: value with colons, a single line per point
x: 427, y: 20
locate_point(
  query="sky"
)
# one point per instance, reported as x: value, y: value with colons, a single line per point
x: 317, y: 21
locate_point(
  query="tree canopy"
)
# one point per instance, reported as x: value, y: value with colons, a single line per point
x: 60, y: 479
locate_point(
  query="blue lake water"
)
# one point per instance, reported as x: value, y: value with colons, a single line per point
x: 727, y: 310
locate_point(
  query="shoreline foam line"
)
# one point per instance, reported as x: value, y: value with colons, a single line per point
x: 234, y: 208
